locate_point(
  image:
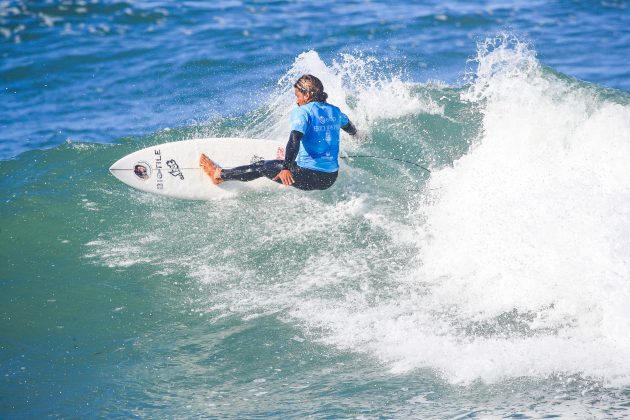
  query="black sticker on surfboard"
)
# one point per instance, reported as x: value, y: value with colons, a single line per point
x: 142, y: 170
x: 174, y: 169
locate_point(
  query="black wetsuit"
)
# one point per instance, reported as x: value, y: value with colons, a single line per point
x: 304, y: 179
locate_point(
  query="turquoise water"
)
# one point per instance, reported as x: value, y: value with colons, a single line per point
x: 494, y: 286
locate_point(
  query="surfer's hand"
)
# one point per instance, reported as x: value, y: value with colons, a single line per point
x: 285, y: 176
x: 360, y: 135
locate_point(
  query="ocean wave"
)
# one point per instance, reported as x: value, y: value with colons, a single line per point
x: 511, y: 261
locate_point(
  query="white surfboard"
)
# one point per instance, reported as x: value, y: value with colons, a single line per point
x: 172, y: 169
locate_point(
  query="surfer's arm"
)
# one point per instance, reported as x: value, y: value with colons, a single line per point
x: 349, y: 128
x: 290, y: 153
x: 292, y: 149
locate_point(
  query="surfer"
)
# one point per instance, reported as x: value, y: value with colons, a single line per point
x: 311, y: 156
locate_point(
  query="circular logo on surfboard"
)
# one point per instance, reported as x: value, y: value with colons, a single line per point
x: 142, y: 170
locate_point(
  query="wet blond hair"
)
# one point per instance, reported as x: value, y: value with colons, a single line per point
x: 311, y: 84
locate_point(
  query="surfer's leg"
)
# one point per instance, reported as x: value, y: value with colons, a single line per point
x: 305, y: 179
x: 266, y: 168
x: 308, y: 179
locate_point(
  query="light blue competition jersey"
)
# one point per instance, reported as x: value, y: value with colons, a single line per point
x: 320, y: 123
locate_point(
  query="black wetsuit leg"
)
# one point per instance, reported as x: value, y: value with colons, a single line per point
x: 266, y: 168
x: 305, y: 179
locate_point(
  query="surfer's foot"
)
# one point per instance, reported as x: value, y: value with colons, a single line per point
x: 211, y: 169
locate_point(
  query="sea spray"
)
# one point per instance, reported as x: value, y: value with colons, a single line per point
x: 360, y: 85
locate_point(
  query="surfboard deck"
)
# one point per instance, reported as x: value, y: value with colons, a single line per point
x: 172, y: 169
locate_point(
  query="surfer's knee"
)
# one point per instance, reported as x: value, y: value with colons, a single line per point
x: 270, y: 168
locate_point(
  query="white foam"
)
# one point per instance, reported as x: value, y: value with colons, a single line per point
x: 531, y: 225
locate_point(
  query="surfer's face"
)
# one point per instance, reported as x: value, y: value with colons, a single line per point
x: 302, y: 97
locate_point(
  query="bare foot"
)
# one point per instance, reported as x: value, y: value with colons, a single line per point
x: 211, y: 169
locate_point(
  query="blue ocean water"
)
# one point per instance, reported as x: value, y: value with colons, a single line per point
x: 494, y: 286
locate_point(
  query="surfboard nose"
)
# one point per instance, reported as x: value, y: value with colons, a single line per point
x: 117, y: 169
